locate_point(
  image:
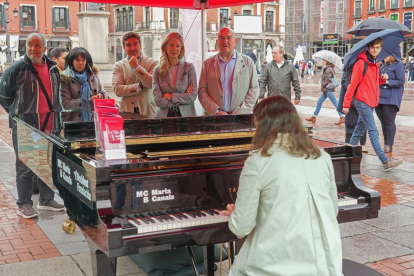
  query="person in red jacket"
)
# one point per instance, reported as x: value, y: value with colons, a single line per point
x: 367, y: 91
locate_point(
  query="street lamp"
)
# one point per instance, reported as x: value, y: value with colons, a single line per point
x: 229, y: 22
x: 6, y: 20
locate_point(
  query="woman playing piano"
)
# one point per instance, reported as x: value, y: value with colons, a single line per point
x: 174, y: 81
x: 287, y: 200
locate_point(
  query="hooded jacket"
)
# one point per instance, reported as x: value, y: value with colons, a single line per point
x: 70, y: 89
x: 368, y: 85
x: 19, y: 89
x: 392, y: 93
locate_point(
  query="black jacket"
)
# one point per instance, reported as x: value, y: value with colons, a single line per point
x: 19, y: 89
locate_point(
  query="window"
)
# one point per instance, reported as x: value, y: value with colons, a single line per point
x: 269, y: 21
x: 382, y: 5
x: 340, y: 8
x: 247, y: 12
x: 358, y: 8
x: 224, y: 15
x: 394, y: 4
x: 394, y: 16
x: 408, y: 19
x: 371, y: 5
x: 408, y: 3
x: 27, y: 16
x: 60, y: 18
x: 118, y: 18
x: 131, y: 16
x: 1, y: 14
x: 356, y: 21
x: 147, y: 17
x: 174, y: 17
x: 124, y: 17
x: 339, y: 29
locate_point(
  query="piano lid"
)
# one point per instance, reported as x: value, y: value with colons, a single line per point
x: 70, y: 132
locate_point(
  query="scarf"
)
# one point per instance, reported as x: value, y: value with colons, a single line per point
x: 85, y: 94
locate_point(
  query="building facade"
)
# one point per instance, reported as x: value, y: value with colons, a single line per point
x: 153, y: 24
x: 317, y: 25
x: 399, y: 10
x: 57, y: 21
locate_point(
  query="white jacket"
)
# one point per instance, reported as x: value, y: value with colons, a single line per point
x: 287, y: 207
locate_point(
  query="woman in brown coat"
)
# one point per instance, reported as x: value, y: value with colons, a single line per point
x: 328, y: 73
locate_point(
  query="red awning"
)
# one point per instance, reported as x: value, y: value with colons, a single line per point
x: 179, y: 4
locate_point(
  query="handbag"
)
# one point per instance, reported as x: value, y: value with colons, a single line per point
x: 334, y: 82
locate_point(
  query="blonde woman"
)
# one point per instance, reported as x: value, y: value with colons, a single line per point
x: 174, y: 81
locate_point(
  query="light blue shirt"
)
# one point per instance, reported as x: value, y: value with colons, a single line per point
x: 227, y: 70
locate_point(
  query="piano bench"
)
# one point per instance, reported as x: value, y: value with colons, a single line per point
x: 351, y: 268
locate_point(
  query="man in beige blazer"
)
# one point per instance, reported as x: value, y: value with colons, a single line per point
x: 228, y: 82
x: 132, y: 78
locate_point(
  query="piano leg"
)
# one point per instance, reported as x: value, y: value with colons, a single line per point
x: 102, y: 265
x: 208, y: 260
x: 193, y: 261
x: 231, y: 253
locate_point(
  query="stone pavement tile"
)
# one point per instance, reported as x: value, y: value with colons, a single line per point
x: 403, y: 265
x: 62, y: 266
x: 391, y: 192
x: 392, y: 216
x: 350, y: 229
x: 400, y: 235
x: 5, y: 131
x: 367, y: 248
x: 20, y: 239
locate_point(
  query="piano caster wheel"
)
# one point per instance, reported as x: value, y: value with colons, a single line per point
x: 69, y: 226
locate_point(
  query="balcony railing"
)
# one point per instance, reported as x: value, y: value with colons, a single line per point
x: 61, y: 27
x: 124, y: 28
x: 29, y: 23
x: 142, y: 26
x: 269, y: 28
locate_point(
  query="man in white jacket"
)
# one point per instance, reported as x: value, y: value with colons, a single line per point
x: 132, y: 78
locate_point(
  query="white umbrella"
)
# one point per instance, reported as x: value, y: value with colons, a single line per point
x: 269, y: 56
x: 329, y: 56
x: 299, y: 54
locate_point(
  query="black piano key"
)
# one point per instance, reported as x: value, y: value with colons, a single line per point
x: 165, y: 216
x: 201, y: 213
x: 133, y: 218
x: 175, y: 214
x: 208, y: 212
x: 142, y: 219
x: 181, y: 214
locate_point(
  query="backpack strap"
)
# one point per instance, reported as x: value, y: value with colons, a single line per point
x: 49, y: 103
x: 365, y: 68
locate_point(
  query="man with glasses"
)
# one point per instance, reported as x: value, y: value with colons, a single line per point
x: 278, y: 76
x: 228, y: 82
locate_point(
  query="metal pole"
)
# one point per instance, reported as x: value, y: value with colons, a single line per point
x: 8, y: 52
x: 203, y: 31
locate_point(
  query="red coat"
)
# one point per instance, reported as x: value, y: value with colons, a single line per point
x: 368, y: 89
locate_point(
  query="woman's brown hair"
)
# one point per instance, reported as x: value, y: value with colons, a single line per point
x: 277, y: 115
x: 164, y: 62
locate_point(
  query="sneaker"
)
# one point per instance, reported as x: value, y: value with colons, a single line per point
x: 391, y: 164
x: 52, y: 206
x: 27, y: 211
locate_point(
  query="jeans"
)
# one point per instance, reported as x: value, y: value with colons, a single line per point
x: 25, y: 179
x: 366, y: 121
x: 386, y: 114
x: 362, y: 142
x: 322, y: 98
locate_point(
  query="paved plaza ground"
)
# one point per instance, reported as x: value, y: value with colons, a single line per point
x: 40, y: 247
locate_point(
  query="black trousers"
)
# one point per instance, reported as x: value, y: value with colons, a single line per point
x: 362, y: 142
x: 387, y: 114
x: 174, y: 113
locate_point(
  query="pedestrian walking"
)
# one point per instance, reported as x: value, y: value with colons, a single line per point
x: 391, y: 93
x: 410, y: 68
x: 271, y: 182
x: 328, y: 73
x: 279, y: 76
x: 297, y: 68
x: 31, y: 85
x: 365, y: 89
x: 303, y: 69
x: 310, y: 69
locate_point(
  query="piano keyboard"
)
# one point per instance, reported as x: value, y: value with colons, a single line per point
x: 173, y: 219
x: 346, y: 200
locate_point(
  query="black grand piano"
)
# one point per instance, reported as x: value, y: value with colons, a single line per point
x: 179, y: 173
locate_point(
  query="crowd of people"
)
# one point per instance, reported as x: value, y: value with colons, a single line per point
x: 228, y: 84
